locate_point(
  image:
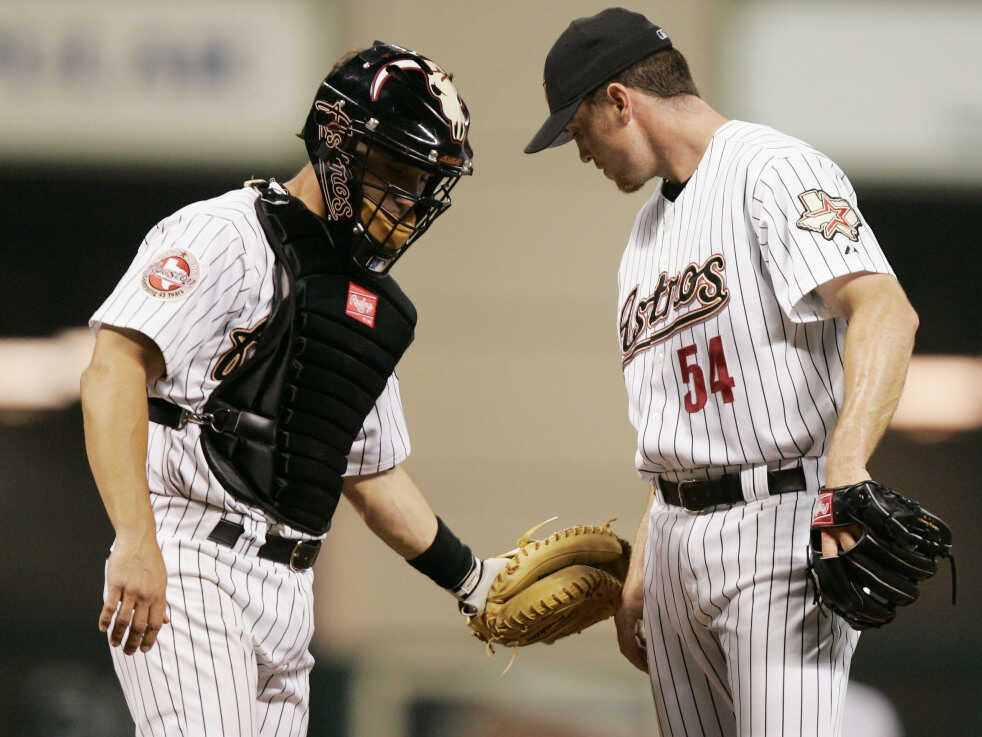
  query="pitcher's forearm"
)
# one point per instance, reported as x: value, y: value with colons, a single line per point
x: 878, y: 346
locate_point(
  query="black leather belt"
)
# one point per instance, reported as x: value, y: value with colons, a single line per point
x: 298, y: 554
x: 696, y: 495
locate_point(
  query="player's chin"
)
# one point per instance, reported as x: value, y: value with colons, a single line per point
x: 628, y: 186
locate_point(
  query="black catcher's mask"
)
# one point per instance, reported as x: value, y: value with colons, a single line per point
x: 392, y: 105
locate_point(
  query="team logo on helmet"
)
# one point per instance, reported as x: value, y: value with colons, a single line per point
x: 334, y: 174
x: 440, y: 85
x: 173, y: 274
x: 828, y: 215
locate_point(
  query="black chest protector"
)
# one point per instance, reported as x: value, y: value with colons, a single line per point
x: 286, y: 418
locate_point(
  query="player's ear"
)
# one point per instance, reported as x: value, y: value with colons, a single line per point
x: 619, y: 96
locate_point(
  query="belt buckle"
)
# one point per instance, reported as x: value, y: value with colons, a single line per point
x: 681, y: 491
x: 298, y: 559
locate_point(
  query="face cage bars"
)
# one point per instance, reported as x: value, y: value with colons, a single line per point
x: 433, y: 202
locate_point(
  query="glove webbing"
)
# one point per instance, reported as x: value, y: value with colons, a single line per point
x: 947, y: 554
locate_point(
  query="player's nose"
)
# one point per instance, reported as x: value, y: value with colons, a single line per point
x: 396, y: 206
x: 585, y: 156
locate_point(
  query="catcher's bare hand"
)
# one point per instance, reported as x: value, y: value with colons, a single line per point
x: 628, y: 619
x: 136, y: 582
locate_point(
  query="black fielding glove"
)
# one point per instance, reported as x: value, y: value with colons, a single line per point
x: 896, y: 548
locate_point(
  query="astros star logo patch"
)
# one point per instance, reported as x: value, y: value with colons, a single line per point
x: 828, y: 215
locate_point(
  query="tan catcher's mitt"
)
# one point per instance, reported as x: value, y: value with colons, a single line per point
x: 554, y: 587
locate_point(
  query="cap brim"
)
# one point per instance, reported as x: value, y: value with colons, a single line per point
x: 553, y: 132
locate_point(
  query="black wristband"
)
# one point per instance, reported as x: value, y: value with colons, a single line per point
x: 447, y: 561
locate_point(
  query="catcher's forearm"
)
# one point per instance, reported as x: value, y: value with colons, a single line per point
x: 394, y: 509
x: 878, y: 345
x: 114, y: 409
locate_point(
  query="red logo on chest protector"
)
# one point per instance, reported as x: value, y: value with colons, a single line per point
x: 361, y: 304
x: 823, y: 509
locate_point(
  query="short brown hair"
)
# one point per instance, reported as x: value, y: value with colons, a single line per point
x: 663, y: 74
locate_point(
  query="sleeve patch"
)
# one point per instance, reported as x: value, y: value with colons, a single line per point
x: 172, y: 275
x: 828, y: 215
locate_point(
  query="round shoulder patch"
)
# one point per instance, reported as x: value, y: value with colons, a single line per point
x: 172, y: 275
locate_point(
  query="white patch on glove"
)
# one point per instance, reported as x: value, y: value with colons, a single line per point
x: 473, y: 592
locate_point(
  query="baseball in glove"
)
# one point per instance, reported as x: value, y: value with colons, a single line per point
x: 897, y: 547
x: 554, y: 587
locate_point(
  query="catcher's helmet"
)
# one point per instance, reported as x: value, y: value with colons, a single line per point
x: 390, y: 99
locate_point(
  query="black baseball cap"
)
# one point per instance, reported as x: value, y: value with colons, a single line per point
x: 588, y: 53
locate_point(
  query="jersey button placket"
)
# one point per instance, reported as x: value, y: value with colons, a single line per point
x: 665, y: 263
x: 657, y: 371
x: 665, y: 252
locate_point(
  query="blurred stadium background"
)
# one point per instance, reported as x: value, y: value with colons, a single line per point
x: 113, y: 114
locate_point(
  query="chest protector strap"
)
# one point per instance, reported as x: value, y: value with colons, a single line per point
x: 280, y: 427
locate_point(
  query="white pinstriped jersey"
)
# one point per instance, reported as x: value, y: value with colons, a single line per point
x: 730, y: 357
x: 214, y: 256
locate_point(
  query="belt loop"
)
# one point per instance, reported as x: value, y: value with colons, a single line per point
x: 814, y: 470
x: 754, y: 483
x: 254, y: 537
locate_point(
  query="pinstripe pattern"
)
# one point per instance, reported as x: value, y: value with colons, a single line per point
x: 234, y: 659
x: 735, y: 644
x: 781, y: 344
